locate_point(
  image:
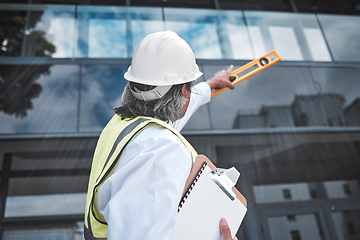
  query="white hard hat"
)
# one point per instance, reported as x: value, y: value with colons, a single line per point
x: 163, y: 59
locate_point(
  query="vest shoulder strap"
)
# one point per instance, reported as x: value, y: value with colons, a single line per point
x: 134, y: 127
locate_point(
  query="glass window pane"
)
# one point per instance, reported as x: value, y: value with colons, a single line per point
x: 289, y: 97
x: 49, y: 31
x: 47, y: 185
x: 51, y: 160
x: 296, y: 37
x: 39, y: 98
x: 11, y: 32
x: 341, y: 98
x: 199, y: 28
x: 237, y: 33
x: 305, y: 226
x: 45, y: 205
x: 272, y: 91
x: 101, y: 90
x: 306, y: 191
x: 342, y: 35
x: 143, y: 22
x: 103, y: 44
x: 45, y: 232
x: 317, y: 44
x: 285, y: 41
x: 114, y: 32
x: 102, y: 32
x: 342, y: 189
x: 200, y: 120
x: 257, y: 41
x: 282, y: 193
x: 347, y: 224
x: 240, y: 43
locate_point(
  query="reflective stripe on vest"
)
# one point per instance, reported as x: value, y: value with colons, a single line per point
x: 110, y: 146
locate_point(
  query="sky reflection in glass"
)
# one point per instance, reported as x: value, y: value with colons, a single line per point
x: 101, y: 89
x: 115, y: 32
x: 198, y: 28
x: 201, y: 37
x: 58, y: 24
x: 102, y: 32
x: 107, y: 38
x: 296, y: 37
x: 142, y: 28
x: 143, y: 22
x: 343, y: 36
x: 54, y: 110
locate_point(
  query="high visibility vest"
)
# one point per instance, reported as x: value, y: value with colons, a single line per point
x: 110, y: 146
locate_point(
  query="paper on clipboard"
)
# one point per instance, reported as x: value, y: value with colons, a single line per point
x: 205, y: 204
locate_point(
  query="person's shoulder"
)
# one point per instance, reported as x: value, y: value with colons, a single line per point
x: 155, y: 134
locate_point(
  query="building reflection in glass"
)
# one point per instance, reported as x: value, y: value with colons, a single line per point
x: 347, y: 224
x: 295, y: 227
x: 288, y: 97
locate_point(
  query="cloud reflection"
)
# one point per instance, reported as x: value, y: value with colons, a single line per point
x: 202, y: 37
x: 107, y: 38
x: 59, y: 28
x: 55, y: 110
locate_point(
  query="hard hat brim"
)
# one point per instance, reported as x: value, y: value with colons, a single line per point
x: 161, y: 82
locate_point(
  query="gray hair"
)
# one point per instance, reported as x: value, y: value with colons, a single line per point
x: 167, y: 108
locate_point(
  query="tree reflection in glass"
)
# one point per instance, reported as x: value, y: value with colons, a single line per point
x: 17, y: 83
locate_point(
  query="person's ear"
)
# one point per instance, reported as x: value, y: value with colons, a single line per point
x: 184, y: 91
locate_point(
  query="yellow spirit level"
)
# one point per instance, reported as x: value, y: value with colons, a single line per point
x: 254, y: 67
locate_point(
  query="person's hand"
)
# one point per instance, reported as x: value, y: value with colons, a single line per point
x: 225, y: 230
x: 221, y: 79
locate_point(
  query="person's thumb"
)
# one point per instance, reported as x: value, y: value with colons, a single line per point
x: 225, y: 230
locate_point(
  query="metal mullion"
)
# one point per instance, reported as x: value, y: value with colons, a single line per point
x: 126, y: 61
x: 49, y: 173
x: 325, y: 38
x: 129, y: 39
x: 291, y: 205
x: 53, y: 219
x: 4, y: 187
x: 339, y: 205
x: 223, y: 36
x: 25, y: 40
x: 79, y: 99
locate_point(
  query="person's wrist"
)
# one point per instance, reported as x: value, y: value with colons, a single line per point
x: 211, y: 83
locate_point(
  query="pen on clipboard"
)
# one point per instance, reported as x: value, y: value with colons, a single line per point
x: 250, y: 69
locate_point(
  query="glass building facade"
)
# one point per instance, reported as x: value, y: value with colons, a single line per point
x: 293, y: 130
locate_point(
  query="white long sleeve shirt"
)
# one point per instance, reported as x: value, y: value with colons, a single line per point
x: 140, y: 199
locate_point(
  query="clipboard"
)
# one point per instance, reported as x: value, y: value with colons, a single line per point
x: 205, y: 203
